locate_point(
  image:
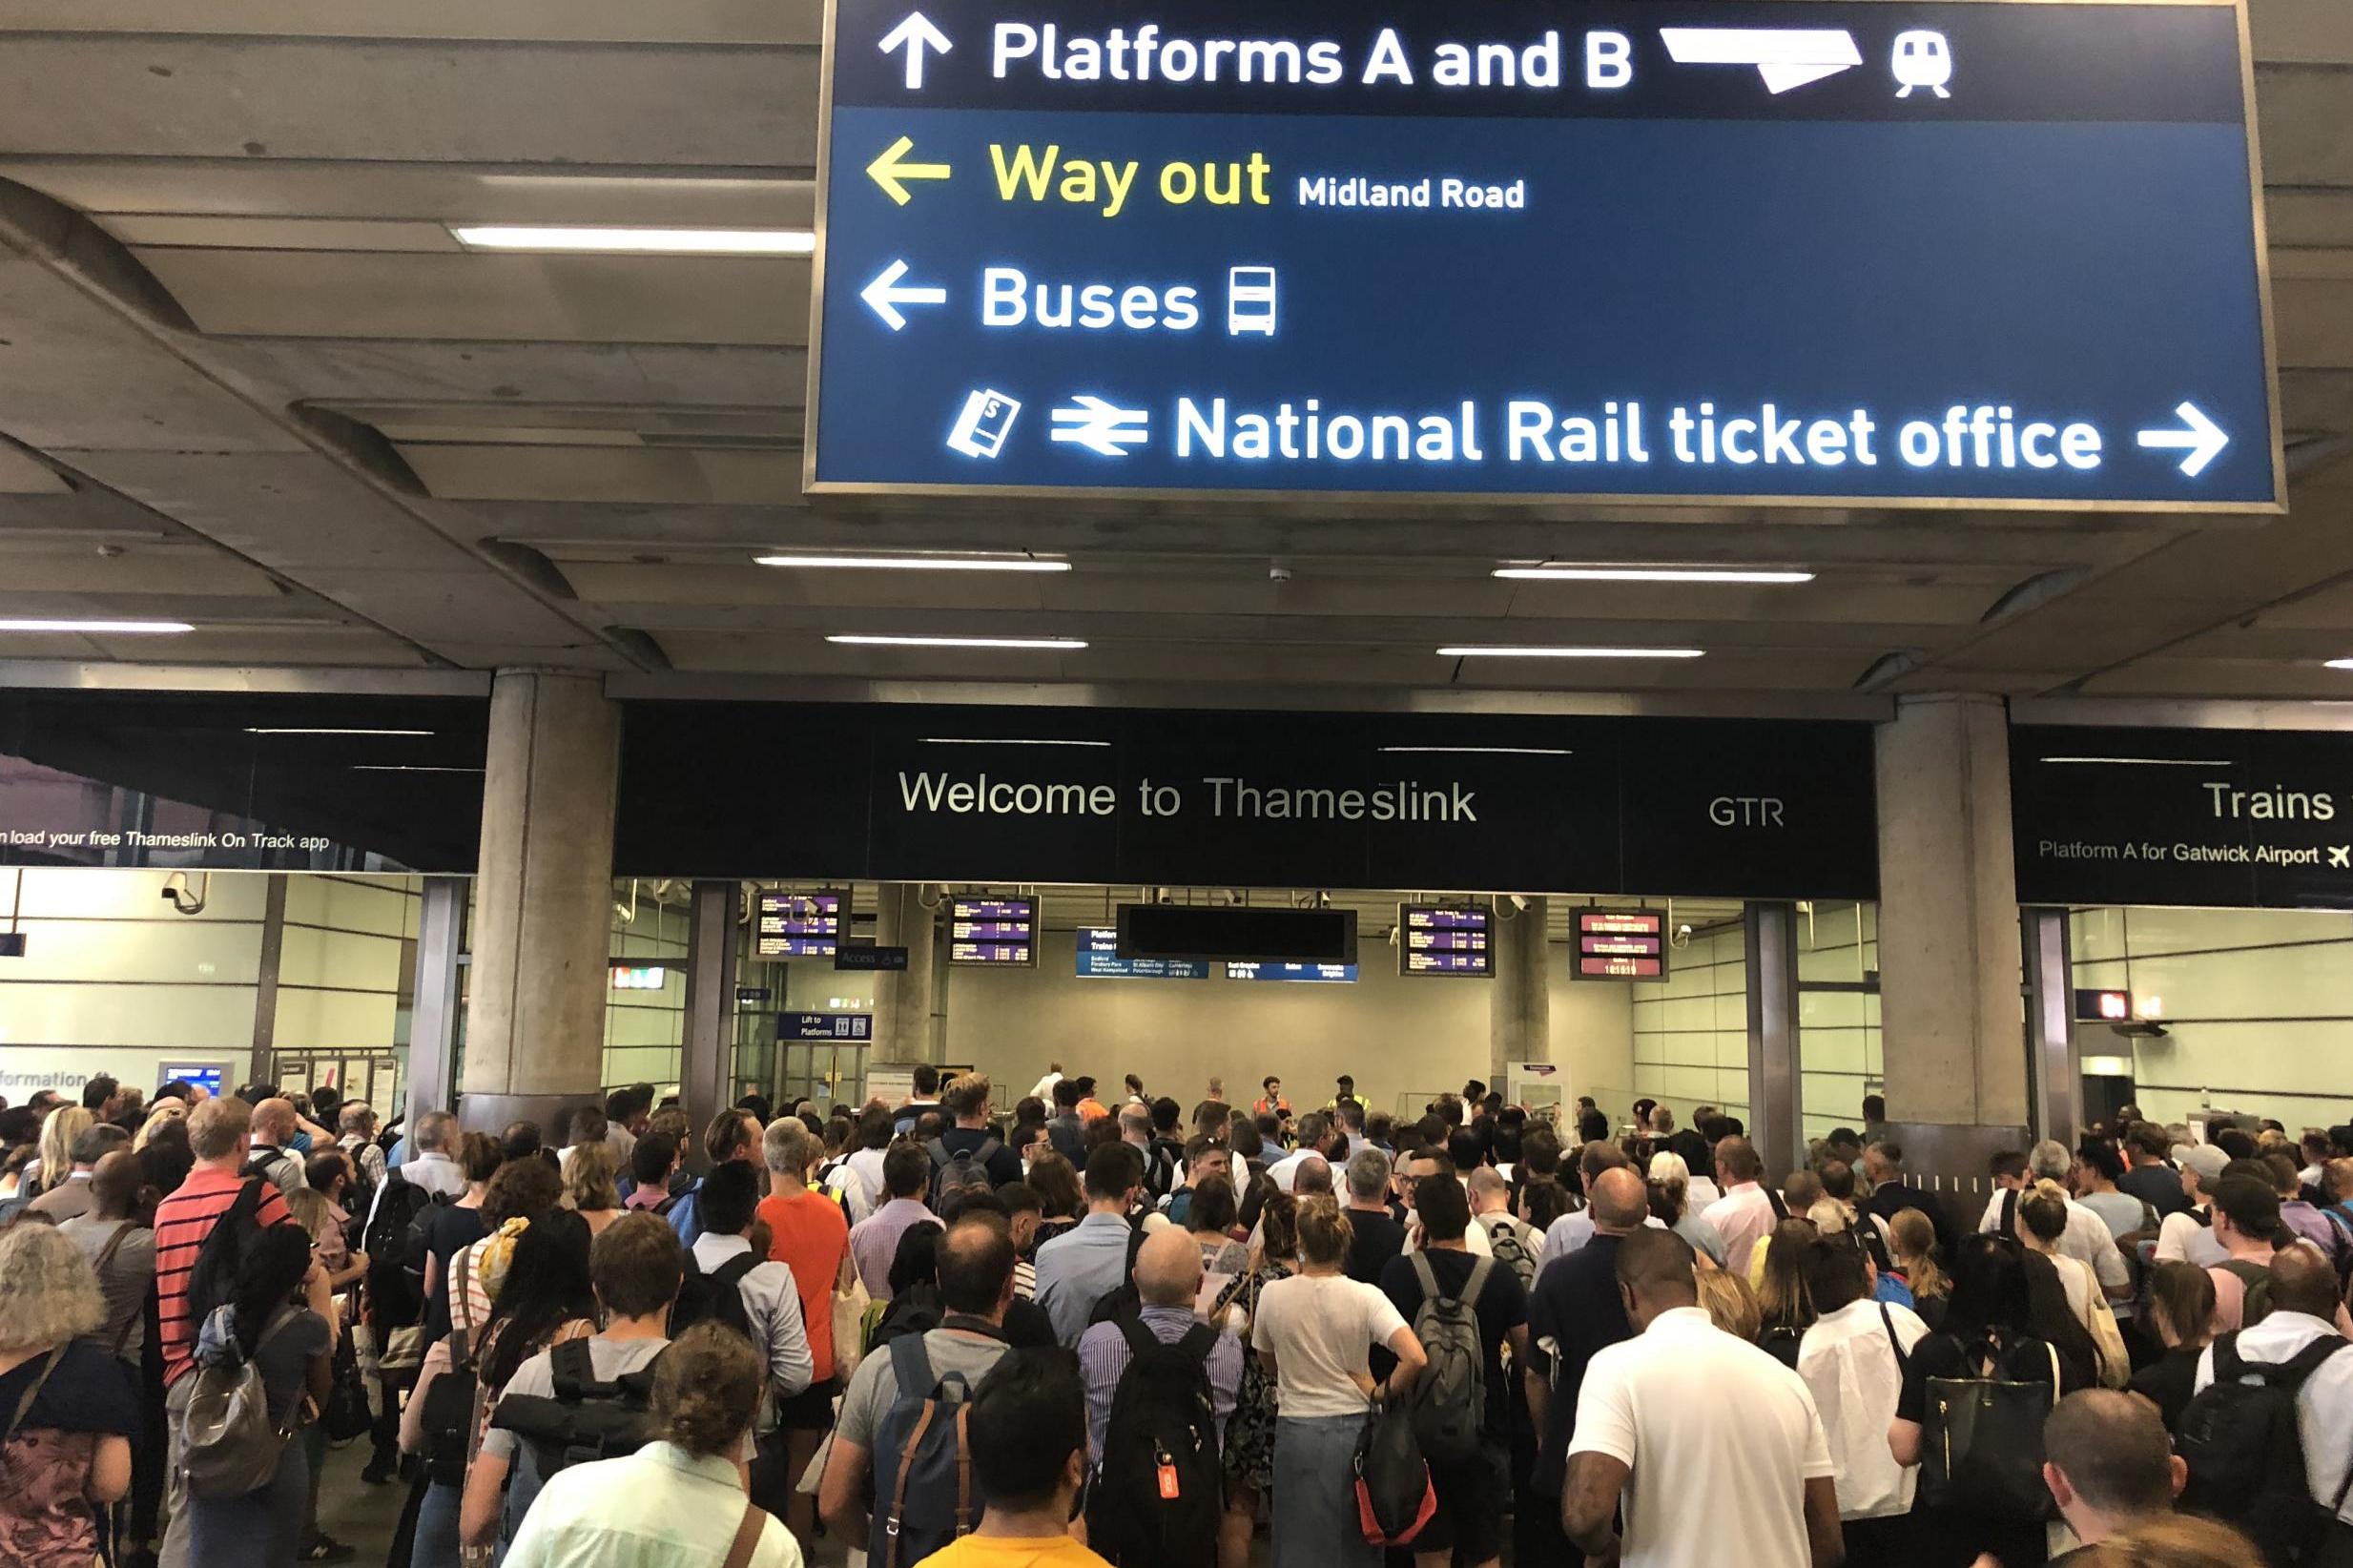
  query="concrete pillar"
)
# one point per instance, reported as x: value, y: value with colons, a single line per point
x: 543, y: 917
x: 1519, y: 999
x: 910, y: 1003
x: 1776, y: 1121
x: 1951, y: 1015
x: 707, y: 1054
x: 433, y: 1016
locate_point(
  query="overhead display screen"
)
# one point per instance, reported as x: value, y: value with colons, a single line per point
x: 992, y: 933
x: 1752, y: 251
x: 1315, y: 974
x: 1619, y: 944
x: 1098, y: 958
x: 798, y: 925
x: 1444, y: 939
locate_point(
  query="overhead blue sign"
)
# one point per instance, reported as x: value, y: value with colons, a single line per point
x: 1315, y: 974
x: 1899, y: 253
x: 1098, y: 958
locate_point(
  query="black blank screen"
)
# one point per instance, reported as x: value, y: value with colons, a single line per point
x: 1287, y: 935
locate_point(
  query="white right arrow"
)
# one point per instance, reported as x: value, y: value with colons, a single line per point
x: 915, y: 34
x: 2201, y: 443
x: 883, y: 295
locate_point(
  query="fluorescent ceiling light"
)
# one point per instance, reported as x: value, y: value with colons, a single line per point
x: 1476, y: 751
x: 406, y: 768
x: 861, y: 640
x: 264, y: 730
x: 1652, y: 574
x: 913, y: 563
x: 2139, y: 761
x: 1572, y: 652
x: 115, y: 628
x: 630, y: 241
x: 991, y: 740
x: 2341, y: 664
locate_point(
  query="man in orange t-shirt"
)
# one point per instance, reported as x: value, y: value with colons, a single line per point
x: 1090, y: 1109
x: 809, y: 1232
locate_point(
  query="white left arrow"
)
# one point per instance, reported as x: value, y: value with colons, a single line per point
x: 2200, y: 443
x: 915, y: 34
x: 884, y: 296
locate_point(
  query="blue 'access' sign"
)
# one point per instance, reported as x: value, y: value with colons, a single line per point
x: 1905, y: 253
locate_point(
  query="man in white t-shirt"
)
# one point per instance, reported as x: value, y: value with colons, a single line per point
x: 1044, y: 1088
x: 2188, y: 1236
x: 1715, y: 1447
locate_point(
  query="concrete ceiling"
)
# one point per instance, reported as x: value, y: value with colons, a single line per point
x: 247, y: 380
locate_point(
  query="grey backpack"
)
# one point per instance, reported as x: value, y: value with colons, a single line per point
x: 925, y: 1495
x: 1449, y: 1397
x: 230, y: 1446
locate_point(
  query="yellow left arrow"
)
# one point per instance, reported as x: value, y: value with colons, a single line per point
x: 891, y: 170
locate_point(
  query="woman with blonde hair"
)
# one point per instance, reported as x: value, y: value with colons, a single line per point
x: 1911, y: 1236
x: 1729, y: 1303
x: 706, y: 1393
x: 166, y: 1110
x: 1316, y: 1333
x: 1670, y: 1203
x: 66, y: 1412
x: 591, y: 1189
x: 65, y: 1123
x: 2183, y: 1540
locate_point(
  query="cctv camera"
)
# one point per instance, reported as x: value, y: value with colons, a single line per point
x: 1278, y: 574
x: 1519, y: 902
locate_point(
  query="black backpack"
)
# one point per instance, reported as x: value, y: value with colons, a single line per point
x: 963, y: 1171
x: 394, y: 1241
x: 221, y: 1258
x: 1982, y: 1439
x: 1161, y: 1493
x: 1160, y: 1167
x: 915, y: 1311
x: 1123, y: 1303
x: 2257, y: 1279
x: 715, y: 1297
x: 586, y: 1418
x: 2246, y: 1455
x: 1781, y: 1343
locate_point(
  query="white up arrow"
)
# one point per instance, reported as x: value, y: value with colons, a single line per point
x: 2201, y: 443
x: 883, y: 295
x: 915, y: 34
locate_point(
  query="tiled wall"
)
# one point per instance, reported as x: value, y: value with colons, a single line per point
x: 645, y: 1030
x: 2258, y: 1006
x: 113, y: 980
x: 1838, y: 1040
x: 1691, y: 1034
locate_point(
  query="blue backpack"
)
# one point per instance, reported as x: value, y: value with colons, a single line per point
x: 925, y: 1495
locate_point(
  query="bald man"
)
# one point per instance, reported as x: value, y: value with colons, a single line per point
x: 1168, y: 1278
x: 1575, y: 1313
x: 273, y: 1156
x: 1685, y: 1412
x: 2304, y: 1312
x: 1314, y: 1176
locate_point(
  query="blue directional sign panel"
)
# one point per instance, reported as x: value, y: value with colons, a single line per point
x: 1098, y: 958
x: 1747, y: 250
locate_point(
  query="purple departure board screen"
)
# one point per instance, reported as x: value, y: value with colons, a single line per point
x: 992, y: 933
x: 798, y: 925
x: 1445, y: 939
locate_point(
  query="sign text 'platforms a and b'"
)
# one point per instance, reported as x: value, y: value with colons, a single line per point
x: 1876, y: 250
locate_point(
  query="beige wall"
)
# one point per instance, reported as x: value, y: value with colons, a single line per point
x: 1405, y: 1041
x: 2258, y: 1006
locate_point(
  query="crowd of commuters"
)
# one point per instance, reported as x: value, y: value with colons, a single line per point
x: 1072, y: 1332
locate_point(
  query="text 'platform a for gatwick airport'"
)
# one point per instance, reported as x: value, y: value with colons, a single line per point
x: 1851, y: 250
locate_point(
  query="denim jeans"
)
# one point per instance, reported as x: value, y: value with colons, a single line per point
x: 1316, y: 1523
x: 436, y: 1528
